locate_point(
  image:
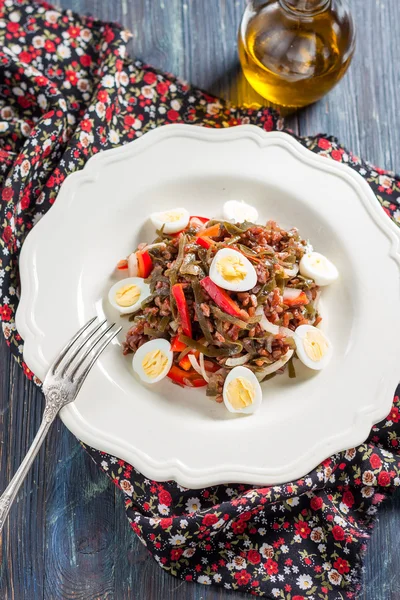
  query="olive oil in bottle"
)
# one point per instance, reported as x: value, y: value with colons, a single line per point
x: 294, y: 51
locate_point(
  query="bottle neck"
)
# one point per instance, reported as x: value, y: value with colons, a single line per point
x: 305, y: 7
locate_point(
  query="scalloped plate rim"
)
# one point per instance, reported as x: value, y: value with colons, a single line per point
x: 174, y: 468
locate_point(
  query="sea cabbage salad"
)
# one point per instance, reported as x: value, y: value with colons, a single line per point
x: 224, y: 304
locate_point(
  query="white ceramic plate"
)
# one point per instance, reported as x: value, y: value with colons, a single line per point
x: 67, y: 266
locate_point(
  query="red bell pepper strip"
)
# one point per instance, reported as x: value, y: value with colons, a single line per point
x: 145, y: 264
x: 213, y: 231
x: 202, y: 219
x: 186, y: 378
x: 205, y: 242
x: 177, y: 345
x: 122, y: 265
x: 203, y: 237
x: 222, y: 299
x: 299, y: 300
x: 185, y: 363
x: 183, y: 311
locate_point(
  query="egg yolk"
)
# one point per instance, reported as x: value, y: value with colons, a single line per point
x: 240, y: 393
x: 171, y: 217
x: 315, y: 345
x: 231, y: 268
x: 154, y: 363
x: 127, y: 295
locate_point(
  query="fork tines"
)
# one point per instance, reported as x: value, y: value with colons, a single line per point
x: 79, y: 355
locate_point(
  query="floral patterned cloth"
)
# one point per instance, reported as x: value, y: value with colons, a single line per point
x: 68, y: 91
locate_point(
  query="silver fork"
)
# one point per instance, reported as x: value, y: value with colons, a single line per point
x: 61, y: 386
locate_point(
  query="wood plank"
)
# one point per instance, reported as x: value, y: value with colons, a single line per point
x: 22, y: 543
x: 362, y: 111
x: 80, y: 531
x: 382, y: 565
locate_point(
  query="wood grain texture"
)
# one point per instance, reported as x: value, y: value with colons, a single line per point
x: 67, y: 536
x: 80, y: 540
x: 20, y: 412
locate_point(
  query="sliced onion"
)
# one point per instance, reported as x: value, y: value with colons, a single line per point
x: 133, y: 265
x: 270, y: 327
x: 291, y: 293
x: 174, y: 325
x: 196, y: 223
x: 275, y: 366
x: 195, y: 364
x: 265, y: 323
x: 235, y: 362
x: 317, y: 299
x: 286, y: 332
x: 291, y: 272
x: 201, y: 371
x: 203, y: 368
x: 158, y: 245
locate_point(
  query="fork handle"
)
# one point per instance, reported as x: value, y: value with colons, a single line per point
x: 11, y: 491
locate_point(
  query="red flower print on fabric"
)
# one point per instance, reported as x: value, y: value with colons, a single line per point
x: 271, y: 566
x: 302, y: 529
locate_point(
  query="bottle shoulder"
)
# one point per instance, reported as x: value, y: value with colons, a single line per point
x: 301, y: 46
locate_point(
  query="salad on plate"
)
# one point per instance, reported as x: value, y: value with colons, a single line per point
x: 224, y: 304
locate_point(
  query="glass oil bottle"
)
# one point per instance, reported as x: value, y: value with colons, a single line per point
x: 294, y: 51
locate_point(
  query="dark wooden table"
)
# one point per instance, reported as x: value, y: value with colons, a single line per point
x: 67, y: 536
